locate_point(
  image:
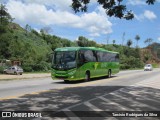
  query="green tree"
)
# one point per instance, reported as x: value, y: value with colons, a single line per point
x: 129, y: 42
x: 5, y: 40
x: 123, y: 38
x: 66, y: 43
x: 114, y: 41
x: 27, y: 28
x: 46, y: 30
x: 82, y: 41
x: 148, y: 41
x: 35, y: 32
x: 137, y: 38
x: 114, y: 8
x: 5, y: 18
x: 43, y: 34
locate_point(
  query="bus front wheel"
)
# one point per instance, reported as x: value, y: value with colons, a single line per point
x: 109, y: 73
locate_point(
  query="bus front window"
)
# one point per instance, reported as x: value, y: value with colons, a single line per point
x: 64, y: 60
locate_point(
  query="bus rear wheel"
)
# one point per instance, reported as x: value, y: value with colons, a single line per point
x: 87, y: 77
x: 109, y: 73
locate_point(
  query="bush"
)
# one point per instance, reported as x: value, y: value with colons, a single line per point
x: 130, y: 62
x: 41, y: 66
x: 124, y: 66
x: 1, y: 69
x: 155, y: 65
x: 27, y: 68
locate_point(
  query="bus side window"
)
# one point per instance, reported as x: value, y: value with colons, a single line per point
x: 95, y: 56
x: 117, y: 58
x: 81, y: 58
x: 100, y: 56
x: 89, y: 56
x: 105, y: 57
x: 110, y: 57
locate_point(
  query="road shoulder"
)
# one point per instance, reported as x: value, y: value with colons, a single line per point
x: 24, y: 76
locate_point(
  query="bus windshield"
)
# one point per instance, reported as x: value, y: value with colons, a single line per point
x: 64, y: 60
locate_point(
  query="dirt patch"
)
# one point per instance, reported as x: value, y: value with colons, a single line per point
x: 24, y: 76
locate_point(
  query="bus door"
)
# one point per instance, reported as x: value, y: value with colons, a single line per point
x: 87, y: 61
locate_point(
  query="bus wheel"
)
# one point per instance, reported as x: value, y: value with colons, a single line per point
x: 87, y: 77
x: 109, y: 73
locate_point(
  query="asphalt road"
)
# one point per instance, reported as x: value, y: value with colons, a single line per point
x: 135, y: 90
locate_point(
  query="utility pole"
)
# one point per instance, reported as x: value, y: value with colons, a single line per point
x: 108, y: 36
x: 123, y: 38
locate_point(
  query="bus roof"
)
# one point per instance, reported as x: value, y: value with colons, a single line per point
x: 82, y: 48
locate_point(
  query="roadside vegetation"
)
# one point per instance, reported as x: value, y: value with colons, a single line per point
x: 34, y: 49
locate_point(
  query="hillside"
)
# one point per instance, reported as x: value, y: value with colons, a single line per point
x: 34, y: 49
x: 29, y: 48
x: 155, y: 48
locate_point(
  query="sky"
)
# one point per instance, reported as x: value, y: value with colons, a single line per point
x: 94, y: 24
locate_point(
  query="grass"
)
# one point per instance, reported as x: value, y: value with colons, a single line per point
x: 35, y: 72
x: 38, y: 72
x: 132, y: 69
x: 155, y: 65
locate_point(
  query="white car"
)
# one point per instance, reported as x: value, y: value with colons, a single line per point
x: 148, y: 67
x: 14, y: 70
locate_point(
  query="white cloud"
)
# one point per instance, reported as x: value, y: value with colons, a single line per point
x: 54, y: 4
x: 139, y: 17
x: 146, y: 15
x: 36, y: 29
x: 57, y: 4
x: 159, y: 38
x: 94, y: 35
x: 149, y: 15
x: 93, y: 1
x: 136, y: 2
x: 32, y: 13
x: 101, y: 10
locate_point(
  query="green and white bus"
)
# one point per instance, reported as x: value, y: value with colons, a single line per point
x: 83, y: 63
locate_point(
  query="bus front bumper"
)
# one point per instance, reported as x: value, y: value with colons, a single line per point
x: 65, y: 75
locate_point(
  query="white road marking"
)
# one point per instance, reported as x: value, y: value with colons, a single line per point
x: 129, y: 99
x: 70, y: 113
x: 114, y: 103
x: 93, y: 107
x: 134, y: 94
